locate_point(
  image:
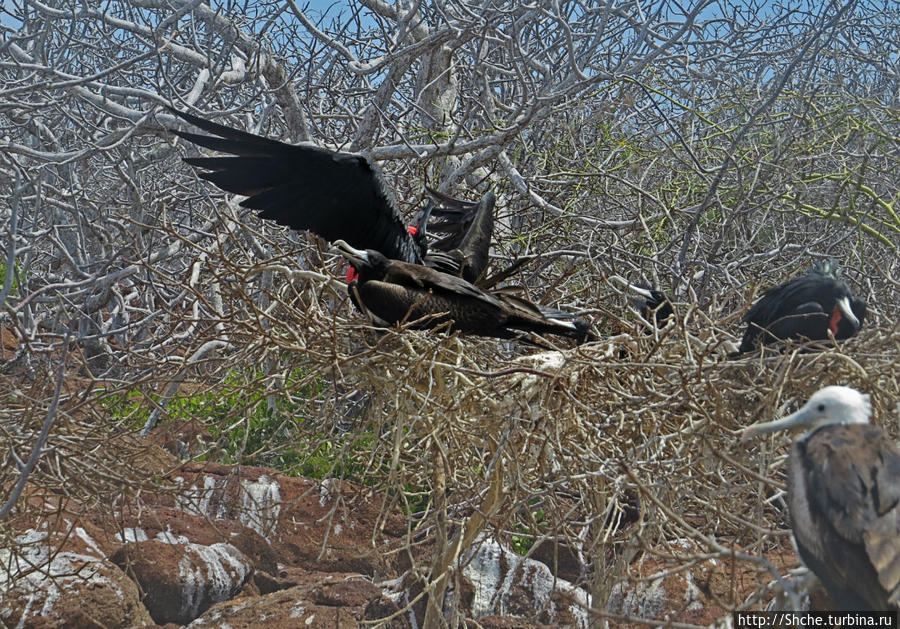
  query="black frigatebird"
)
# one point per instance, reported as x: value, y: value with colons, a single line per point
x: 343, y: 198
x: 338, y: 195
x: 653, y: 305
x: 844, y: 496
x: 806, y: 307
x: 394, y: 291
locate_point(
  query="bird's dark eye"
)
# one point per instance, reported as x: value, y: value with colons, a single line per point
x: 821, y: 408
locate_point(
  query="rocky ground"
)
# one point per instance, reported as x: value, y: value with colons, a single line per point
x: 156, y: 540
x: 249, y: 547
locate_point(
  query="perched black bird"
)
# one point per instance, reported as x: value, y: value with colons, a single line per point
x: 844, y: 493
x: 395, y: 291
x: 339, y: 196
x: 653, y: 305
x: 807, y: 307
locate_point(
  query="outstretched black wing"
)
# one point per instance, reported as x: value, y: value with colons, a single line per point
x: 305, y: 187
x: 467, y: 227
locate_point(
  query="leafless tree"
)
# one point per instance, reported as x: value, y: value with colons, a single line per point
x: 703, y: 147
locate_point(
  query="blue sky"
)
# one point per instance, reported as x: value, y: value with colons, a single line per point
x: 321, y: 7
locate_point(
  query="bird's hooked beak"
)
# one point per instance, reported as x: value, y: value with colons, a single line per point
x: 801, y: 418
x: 643, y: 292
x: 843, y: 305
x: 421, y: 224
x: 357, y: 257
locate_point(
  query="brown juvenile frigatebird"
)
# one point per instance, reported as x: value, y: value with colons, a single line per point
x: 806, y: 307
x: 844, y: 496
x: 394, y: 291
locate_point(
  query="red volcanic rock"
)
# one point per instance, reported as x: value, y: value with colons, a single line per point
x: 498, y: 581
x: 172, y: 525
x: 249, y: 547
x: 58, y: 578
x: 324, y: 526
x: 694, y: 596
x: 510, y: 622
x: 323, y: 602
x: 182, y: 580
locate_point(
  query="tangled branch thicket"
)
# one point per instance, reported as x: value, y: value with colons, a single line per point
x: 711, y: 153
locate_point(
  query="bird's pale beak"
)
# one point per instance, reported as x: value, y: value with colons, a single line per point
x: 843, y: 305
x: 643, y: 292
x: 356, y: 257
x: 801, y: 418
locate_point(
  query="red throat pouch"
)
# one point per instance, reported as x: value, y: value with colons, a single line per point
x: 835, y: 318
